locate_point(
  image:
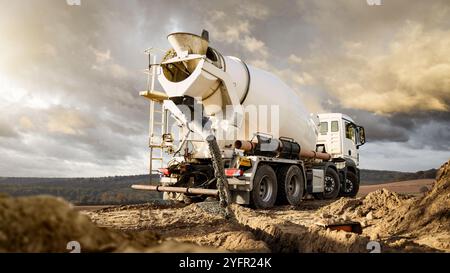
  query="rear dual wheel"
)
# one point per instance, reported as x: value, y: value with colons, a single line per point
x: 285, y: 188
x: 291, y: 185
x: 264, y: 193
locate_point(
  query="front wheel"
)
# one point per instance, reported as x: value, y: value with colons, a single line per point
x: 264, y: 193
x: 351, y: 185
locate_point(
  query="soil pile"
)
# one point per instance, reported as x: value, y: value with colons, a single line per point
x: 426, y: 218
x: 48, y: 224
x: 400, y: 221
x: 375, y: 205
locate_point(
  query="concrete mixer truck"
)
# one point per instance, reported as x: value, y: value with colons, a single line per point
x: 272, y: 150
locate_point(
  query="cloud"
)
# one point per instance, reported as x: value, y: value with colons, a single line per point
x: 223, y: 29
x: 67, y: 121
x: 413, y: 75
x: 252, y: 9
x: 6, y: 130
x: 294, y: 59
x: 389, y: 71
x: 101, y: 57
x: 236, y: 29
x: 26, y: 123
x: 255, y: 46
x: 303, y: 78
x: 389, y: 62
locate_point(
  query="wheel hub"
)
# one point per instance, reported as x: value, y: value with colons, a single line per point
x: 329, y: 184
x: 265, y: 189
x: 348, y: 185
x: 291, y: 186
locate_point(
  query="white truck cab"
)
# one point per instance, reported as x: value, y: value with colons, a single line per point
x: 340, y: 136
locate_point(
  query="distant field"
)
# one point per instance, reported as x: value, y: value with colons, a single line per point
x: 90, y: 208
x: 116, y: 190
x: 408, y: 187
x: 372, y: 177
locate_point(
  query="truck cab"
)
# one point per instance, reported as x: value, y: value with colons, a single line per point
x: 340, y: 137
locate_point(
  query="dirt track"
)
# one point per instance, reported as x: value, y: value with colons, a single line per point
x: 398, y: 222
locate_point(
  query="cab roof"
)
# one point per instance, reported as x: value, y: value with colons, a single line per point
x: 323, y: 116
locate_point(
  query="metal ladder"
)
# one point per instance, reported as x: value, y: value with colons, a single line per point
x: 157, y: 128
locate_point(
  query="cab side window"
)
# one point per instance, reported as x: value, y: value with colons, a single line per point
x: 350, y: 131
x: 334, y: 126
x: 323, y: 128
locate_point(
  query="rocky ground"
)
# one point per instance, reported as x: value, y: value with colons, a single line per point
x: 400, y: 223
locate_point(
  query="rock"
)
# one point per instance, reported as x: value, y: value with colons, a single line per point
x: 374, y: 236
x: 359, y: 212
x: 369, y: 216
x: 325, y: 215
x: 364, y: 223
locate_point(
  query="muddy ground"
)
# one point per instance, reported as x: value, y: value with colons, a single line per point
x: 400, y: 223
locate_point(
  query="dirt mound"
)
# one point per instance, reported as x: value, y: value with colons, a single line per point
x: 428, y: 217
x: 400, y: 221
x: 375, y: 205
x: 48, y: 224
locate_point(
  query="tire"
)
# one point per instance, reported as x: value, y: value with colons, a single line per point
x: 351, y: 186
x: 264, y: 193
x: 331, y: 190
x: 291, y: 185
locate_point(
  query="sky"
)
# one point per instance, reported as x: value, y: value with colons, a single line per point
x: 70, y: 75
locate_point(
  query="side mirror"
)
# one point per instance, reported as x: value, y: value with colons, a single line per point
x: 361, y: 136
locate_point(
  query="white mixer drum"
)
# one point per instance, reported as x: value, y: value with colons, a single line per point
x: 255, y: 88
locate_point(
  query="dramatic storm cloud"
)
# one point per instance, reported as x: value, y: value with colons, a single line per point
x: 70, y: 75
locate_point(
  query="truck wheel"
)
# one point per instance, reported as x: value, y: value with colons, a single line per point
x: 291, y: 185
x: 351, y: 186
x: 264, y: 193
x: 332, y: 184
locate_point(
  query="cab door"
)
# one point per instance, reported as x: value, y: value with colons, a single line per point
x: 335, y: 138
x: 350, y: 141
x: 330, y: 136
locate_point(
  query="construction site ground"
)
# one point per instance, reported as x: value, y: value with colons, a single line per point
x: 399, y: 222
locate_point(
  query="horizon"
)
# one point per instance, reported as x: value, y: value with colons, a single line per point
x: 108, y: 176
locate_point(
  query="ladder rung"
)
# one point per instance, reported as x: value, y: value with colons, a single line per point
x: 157, y: 123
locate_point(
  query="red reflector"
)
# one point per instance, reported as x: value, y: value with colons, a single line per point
x: 164, y: 171
x: 233, y: 172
